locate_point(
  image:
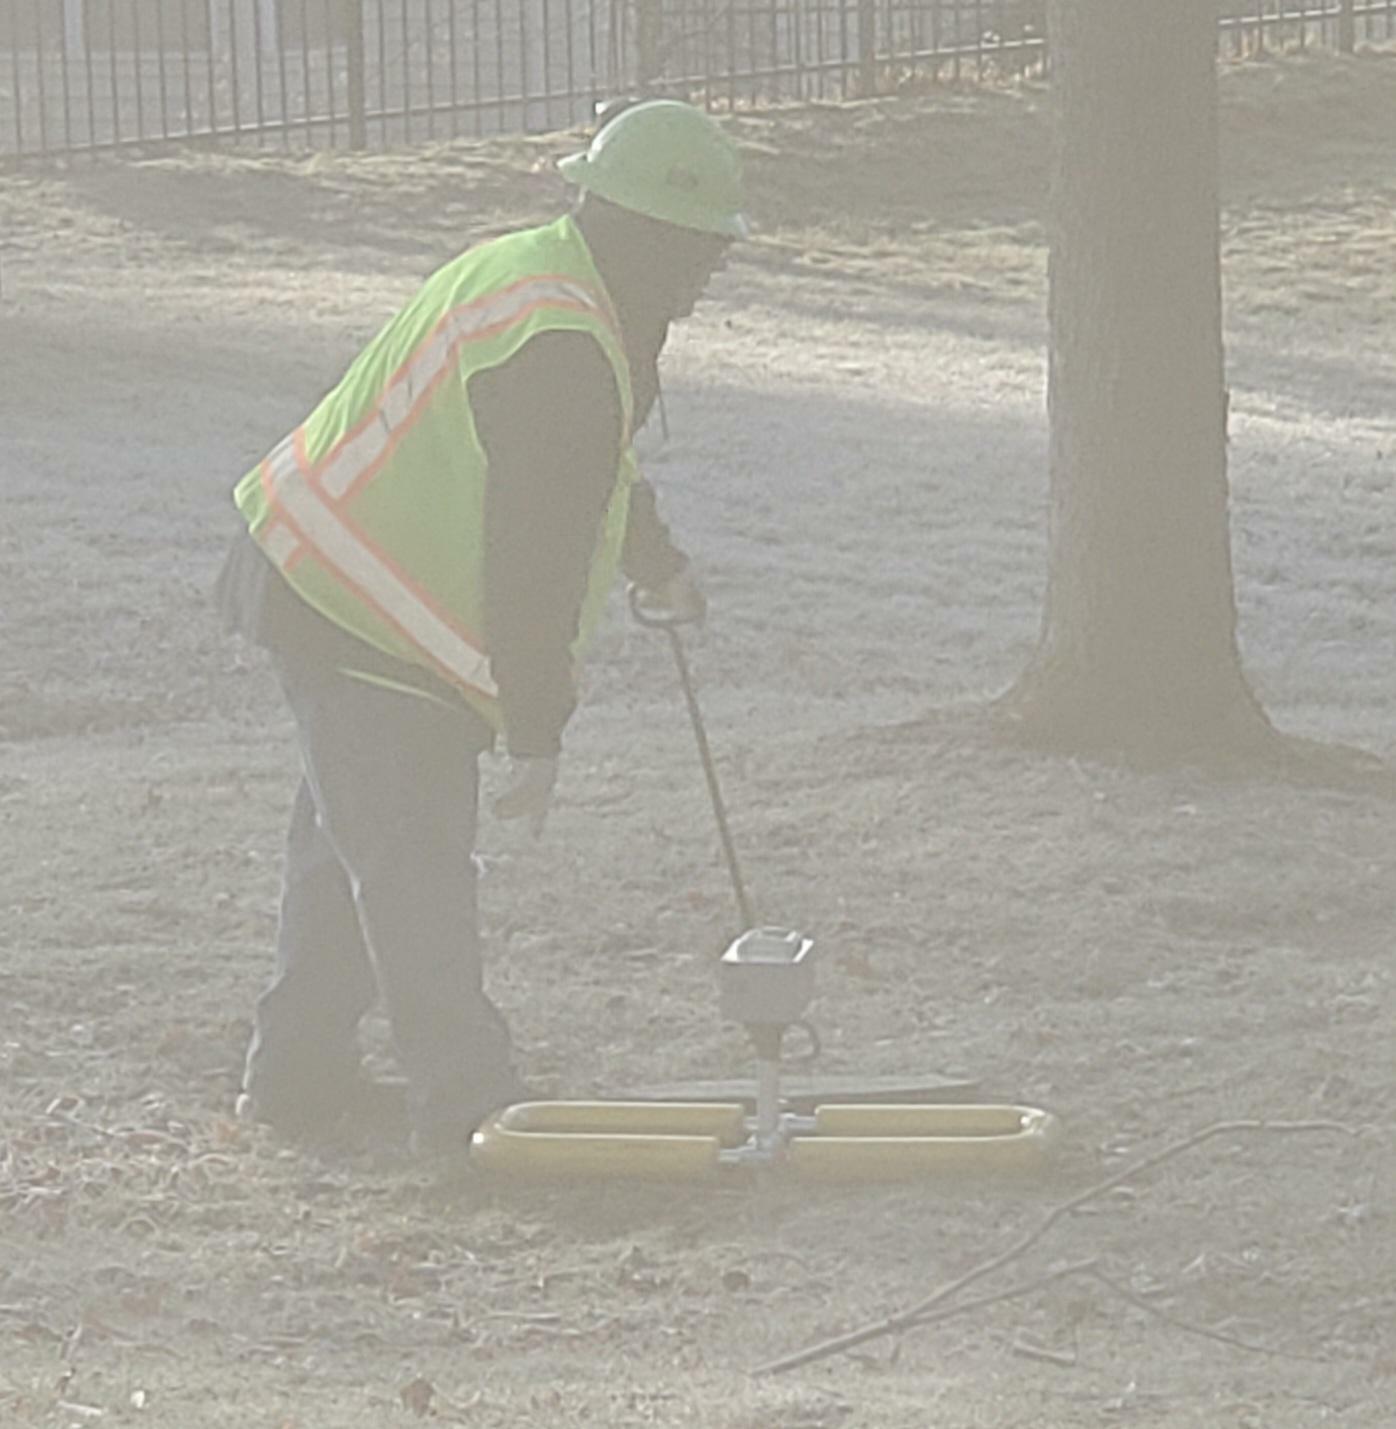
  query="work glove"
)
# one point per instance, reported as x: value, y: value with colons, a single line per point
x: 680, y: 599
x: 528, y: 790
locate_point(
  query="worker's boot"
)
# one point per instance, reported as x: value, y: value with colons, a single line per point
x: 367, y: 1111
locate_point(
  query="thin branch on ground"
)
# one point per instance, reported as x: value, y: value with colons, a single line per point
x: 919, y: 1313
x: 1190, y: 1327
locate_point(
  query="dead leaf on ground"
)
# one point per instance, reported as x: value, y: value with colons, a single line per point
x: 417, y: 1395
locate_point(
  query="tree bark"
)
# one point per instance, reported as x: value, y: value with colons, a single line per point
x: 1138, y: 647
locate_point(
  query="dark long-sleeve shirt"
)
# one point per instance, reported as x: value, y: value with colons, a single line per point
x: 550, y: 423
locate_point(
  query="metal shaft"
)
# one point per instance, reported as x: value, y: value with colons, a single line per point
x: 700, y: 734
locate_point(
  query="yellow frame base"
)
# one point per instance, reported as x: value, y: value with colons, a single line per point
x: 685, y: 1141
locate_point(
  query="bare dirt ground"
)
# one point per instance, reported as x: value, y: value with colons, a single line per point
x: 858, y: 459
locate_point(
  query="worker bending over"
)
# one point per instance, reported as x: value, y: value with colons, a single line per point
x: 425, y: 557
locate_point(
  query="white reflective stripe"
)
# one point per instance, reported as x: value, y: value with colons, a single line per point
x: 367, y: 572
x: 354, y: 455
x: 357, y: 454
x: 281, y: 543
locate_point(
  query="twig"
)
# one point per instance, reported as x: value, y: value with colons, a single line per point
x: 917, y: 1313
x: 1188, y: 1327
x: 1014, y: 1292
x: 1041, y: 1352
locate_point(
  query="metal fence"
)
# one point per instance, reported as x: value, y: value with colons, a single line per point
x: 89, y: 75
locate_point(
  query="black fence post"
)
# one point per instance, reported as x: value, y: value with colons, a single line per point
x: 1347, y: 26
x: 352, y: 15
x: 649, y: 19
x: 867, y: 48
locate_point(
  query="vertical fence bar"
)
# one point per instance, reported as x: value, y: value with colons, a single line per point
x: 523, y: 65
x: 793, y: 17
x: 405, y: 37
x: 547, y: 11
x: 382, y: 73
x: 138, y: 67
x: 842, y: 23
x: 306, y: 99
x: 730, y: 35
x: 352, y: 14
x: 210, y: 47
x: 476, y: 65
x: 89, y: 70
x: 499, y: 62
x: 454, y: 74
x: 774, y: 38
x: 282, y: 78
x: 257, y: 73
x: 1347, y: 26
x: 160, y: 55
x: 330, y: 86
x: 593, y: 59
x: 569, y: 20
x: 63, y: 59
x: 111, y: 70
x: 821, y: 74
x: 40, y: 78
x: 234, y: 70
x: 429, y: 41
x: 16, y: 87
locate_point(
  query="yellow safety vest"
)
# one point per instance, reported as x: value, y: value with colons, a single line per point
x: 373, y: 508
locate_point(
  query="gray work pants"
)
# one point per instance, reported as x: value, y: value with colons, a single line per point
x: 379, y: 900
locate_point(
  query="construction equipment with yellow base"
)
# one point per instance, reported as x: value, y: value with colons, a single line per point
x: 765, y: 982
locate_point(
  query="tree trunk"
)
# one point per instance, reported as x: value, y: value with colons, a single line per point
x: 1138, y: 647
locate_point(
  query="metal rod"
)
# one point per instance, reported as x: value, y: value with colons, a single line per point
x: 383, y: 72
x: 138, y: 68
x: 282, y: 78
x: 90, y: 74
x: 700, y: 734
x: 547, y: 86
x: 454, y: 68
x: 257, y: 87
x: 330, y: 55
x: 768, y: 1101
x: 235, y: 69
x: 499, y: 63
x: 428, y: 57
x: 17, y: 85
x: 352, y: 13
x: 164, y: 85
x: 64, y: 59
x: 39, y: 73
x: 111, y: 67
x: 211, y: 54
x: 305, y: 71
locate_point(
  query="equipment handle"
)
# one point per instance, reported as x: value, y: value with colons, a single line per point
x: 670, y: 625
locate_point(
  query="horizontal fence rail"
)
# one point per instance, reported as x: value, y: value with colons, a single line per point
x: 83, y: 76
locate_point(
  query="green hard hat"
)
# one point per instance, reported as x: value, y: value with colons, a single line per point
x: 666, y: 160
